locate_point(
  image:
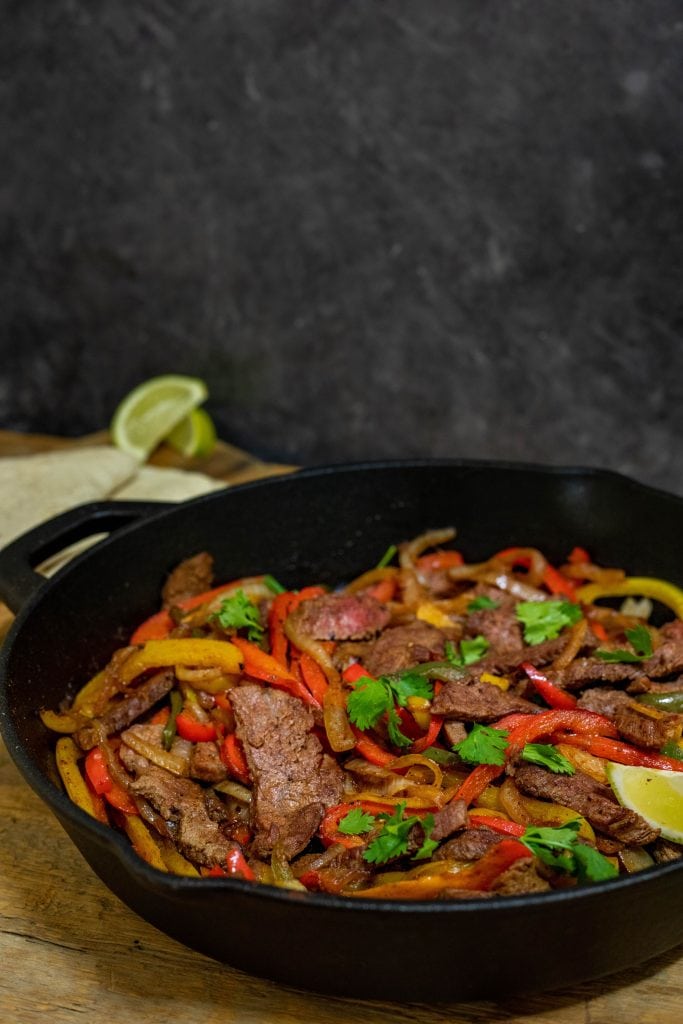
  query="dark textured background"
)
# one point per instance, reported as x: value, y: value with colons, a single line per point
x: 376, y: 229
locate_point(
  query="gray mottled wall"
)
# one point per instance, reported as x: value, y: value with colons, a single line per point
x: 376, y: 228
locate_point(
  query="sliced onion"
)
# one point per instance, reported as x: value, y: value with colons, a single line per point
x: 371, y: 577
x: 635, y: 859
x: 172, y: 760
x: 411, y: 551
x: 235, y: 790
x: 283, y: 876
x: 575, y: 641
x: 509, y: 583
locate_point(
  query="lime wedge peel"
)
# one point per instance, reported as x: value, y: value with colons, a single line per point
x: 195, y: 435
x: 150, y: 412
x: 657, y: 795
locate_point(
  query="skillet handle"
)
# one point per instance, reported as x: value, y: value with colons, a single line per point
x: 18, y: 579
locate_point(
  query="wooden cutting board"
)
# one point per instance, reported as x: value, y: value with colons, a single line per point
x: 72, y: 952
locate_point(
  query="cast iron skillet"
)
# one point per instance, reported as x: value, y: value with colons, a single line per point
x: 326, y: 525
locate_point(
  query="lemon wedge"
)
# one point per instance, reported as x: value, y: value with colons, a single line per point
x: 151, y: 411
x: 195, y: 436
x: 656, y: 794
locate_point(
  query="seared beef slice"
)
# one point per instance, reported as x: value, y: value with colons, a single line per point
x: 294, y: 781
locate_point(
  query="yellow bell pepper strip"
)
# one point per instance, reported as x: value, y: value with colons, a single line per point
x: 199, y: 653
x: 67, y: 755
x: 478, y: 877
x: 60, y: 722
x: 636, y: 586
x: 143, y: 842
x: 175, y: 862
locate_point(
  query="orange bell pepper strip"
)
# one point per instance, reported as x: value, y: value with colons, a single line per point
x: 232, y: 756
x: 552, y: 695
x: 479, y: 877
x: 314, y: 677
x: 279, y: 610
x: 622, y: 753
x: 260, y: 665
x: 384, y: 591
x: 370, y: 750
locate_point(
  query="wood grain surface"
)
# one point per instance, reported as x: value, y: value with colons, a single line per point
x: 71, y: 951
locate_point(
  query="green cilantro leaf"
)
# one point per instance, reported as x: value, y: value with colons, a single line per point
x: 561, y: 849
x: 549, y: 757
x: 410, y: 685
x: 471, y: 650
x: 238, y: 612
x: 484, y: 745
x: 368, y: 701
x: 371, y: 698
x: 388, y: 555
x: 641, y: 641
x: 393, y: 839
x: 398, y: 738
x: 273, y: 585
x: 544, y: 620
x: 590, y: 865
x: 429, y: 844
x: 356, y: 822
x: 480, y: 604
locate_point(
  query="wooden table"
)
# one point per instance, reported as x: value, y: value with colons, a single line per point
x: 71, y: 951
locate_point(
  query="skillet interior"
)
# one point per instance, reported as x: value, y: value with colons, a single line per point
x: 327, y: 525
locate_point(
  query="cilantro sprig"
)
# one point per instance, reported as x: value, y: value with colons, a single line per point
x: 487, y: 745
x: 471, y: 650
x: 372, y: 698
x: 394, y: 839
x: 483, y: 745
x: 238, y: 612
x: 547, y: 756
x: 640, y: 639
x: 560, y: 849
x: 356, y: 823
x: 544, y: 620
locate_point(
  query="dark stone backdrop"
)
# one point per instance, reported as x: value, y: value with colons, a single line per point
x: 376, y: 228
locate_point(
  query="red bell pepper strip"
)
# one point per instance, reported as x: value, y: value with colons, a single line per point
x: 552, y: 578
x: 329, y: 827
x: 355, y: 672
x: 232, y: 756
x: 159, y: 625
x: 578, y: 556
x: 101, y: 781
x: 502, y: 825
x: 477, y: 781
x: 578, y: 721
x: 599, y: 631
x: 370, y: 750
x: 383, y: 591
x: 436, y: 560
x: 306, y: 594
x: 622, y: 753
x: 558, y: 584
x: 190, y: 729
x: 279, y: 610
x: 551, y: 694
x: 263, y: 666
x: 238, y: 867
x: 313, y: 677
x: 508, y: 722
x: 430, y: 737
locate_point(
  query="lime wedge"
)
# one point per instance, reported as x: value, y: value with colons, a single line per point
x: 195, y: 436
x: 150, y: 412
x: 657, y: 795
